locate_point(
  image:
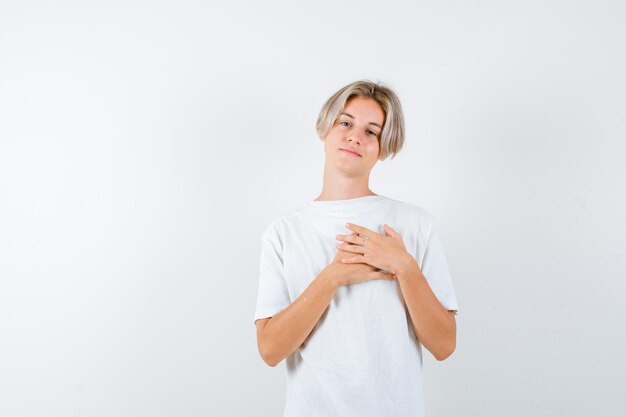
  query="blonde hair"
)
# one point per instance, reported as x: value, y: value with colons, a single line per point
x: 392, y: 135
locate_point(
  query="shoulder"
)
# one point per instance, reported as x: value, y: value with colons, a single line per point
x: 279, y: 225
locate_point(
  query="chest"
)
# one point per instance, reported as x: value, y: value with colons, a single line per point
x: 310, y: 247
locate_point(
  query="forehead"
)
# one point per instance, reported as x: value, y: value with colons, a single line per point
x: 365, y: 108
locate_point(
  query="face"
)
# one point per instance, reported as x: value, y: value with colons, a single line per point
x: 356, y: 130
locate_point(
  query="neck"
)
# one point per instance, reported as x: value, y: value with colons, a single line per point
x: 339, y: 186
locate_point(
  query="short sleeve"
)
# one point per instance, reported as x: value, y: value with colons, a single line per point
x: 435, y: 269
x: 273, y: 295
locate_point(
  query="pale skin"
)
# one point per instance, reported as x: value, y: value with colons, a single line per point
x: 360, y: 253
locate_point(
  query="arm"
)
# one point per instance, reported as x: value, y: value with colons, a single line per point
x: 280, y: 335
x: 434, y: 325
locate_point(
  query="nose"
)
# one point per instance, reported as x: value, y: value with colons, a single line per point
x: 354, y: 138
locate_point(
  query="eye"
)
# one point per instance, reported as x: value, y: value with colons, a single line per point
x: 373, y: 133
x: 342, y: 123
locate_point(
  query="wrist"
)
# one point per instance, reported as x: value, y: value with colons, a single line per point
x: 406, y: 266
x: 331, y: 278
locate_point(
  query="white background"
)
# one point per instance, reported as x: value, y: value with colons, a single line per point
x: 144, y: 147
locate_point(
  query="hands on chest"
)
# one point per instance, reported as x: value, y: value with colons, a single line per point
x: 364, y: 253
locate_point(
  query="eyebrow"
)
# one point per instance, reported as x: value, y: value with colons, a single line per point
x: 372, y: 123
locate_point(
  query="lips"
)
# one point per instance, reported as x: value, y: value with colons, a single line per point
x: 355, y: 153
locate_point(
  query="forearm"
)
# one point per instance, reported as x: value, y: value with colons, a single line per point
x: 434, y: 326
x: 287, y: 330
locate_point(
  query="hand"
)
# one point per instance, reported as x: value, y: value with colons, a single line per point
x: 353, y: 274
x: 386, y: 252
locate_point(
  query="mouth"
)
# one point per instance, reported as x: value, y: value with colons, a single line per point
x: 350, y: 152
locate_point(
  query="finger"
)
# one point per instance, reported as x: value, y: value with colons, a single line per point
x: 353, y: 238
x: 352, y: 260
x: 346, y: 237
x: 362, y: 231
x: 383, y: 275
x: 351, y: 248
x: 389, y: 230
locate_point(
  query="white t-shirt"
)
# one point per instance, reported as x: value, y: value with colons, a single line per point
x: 362, y: 358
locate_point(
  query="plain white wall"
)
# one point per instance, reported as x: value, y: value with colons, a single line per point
x: 144, y: 146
